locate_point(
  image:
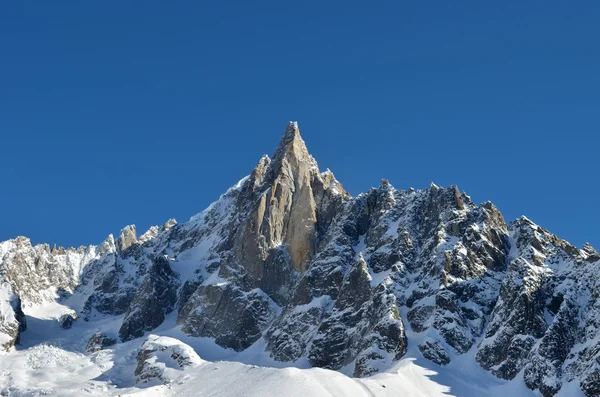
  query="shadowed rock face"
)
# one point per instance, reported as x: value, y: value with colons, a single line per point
x: 286, y: 259
x: 155, y: 298
x: 233, y: 317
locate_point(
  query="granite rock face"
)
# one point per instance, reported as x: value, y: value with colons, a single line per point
x: 54, y: 268
x: 127, y: 238
x: 287, y: 261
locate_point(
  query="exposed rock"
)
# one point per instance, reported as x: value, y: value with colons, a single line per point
x: 591, y: 384
x: 99, y: 341
x: 591, y: 254
x: 155, y: 298
x: 168, y: 225
x: 290, y: 199
x: 112, y: 289
x: 434, y: 351
x: 66, y: 320
x: 150, y: 234
x: 20, y: 261
x: 234, y: 318
x: 364, y: 323
x: 127, y: 238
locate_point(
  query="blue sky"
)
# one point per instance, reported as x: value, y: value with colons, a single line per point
x: 114, y: 113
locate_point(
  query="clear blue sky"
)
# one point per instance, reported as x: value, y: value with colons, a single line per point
x: 114, y: 113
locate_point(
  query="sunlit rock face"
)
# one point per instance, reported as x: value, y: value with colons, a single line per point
x: 286, y: 261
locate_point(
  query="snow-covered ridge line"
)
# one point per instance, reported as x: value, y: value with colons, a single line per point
x: 287, y: 269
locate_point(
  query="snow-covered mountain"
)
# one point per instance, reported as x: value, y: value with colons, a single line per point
x: 414, y: 292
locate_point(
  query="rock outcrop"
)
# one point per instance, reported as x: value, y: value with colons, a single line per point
x: 161, y: 359
x: 153, y: 300
x: 127, y: 238
x: 99, y: 341
x: 66, y: 320
x: 545, y: 322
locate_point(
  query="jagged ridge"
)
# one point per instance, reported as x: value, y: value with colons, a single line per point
x: 287, y: 258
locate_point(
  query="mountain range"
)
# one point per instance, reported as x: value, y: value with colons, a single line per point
x: 287, y: 269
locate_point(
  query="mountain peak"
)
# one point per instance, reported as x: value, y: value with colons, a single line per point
x: 291, y: 146
x: 294, y: 202
x: 127, y: 237
x: 292, y: 128
x: 290, y: 133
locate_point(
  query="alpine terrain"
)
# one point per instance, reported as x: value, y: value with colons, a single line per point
x: 287, y: 285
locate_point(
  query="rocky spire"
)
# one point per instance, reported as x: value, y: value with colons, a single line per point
x: 127, y: 238
x: 289, y: 135
x: 291, y: 150
x: 108, y: 246
x: 168, y: 225
x: 592, y: 254
x: 291, y: 191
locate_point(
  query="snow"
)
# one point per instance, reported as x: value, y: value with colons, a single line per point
x: 321, y: 301
x: 164, y: 360
x: 7, y: 313
x: 360, y: 247
x: 240, y: 183
x: 215, y: 280
x: 378, y: 278
x: 54, y: 362
x: 222, y: 203
x: 52, y: 371
x: 6, y: 297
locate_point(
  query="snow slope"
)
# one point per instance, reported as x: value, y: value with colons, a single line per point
x: 54, y: 362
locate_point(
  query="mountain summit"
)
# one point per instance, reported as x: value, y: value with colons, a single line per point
x: 287, y: 266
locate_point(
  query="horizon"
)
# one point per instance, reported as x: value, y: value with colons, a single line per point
x: 116, y: 114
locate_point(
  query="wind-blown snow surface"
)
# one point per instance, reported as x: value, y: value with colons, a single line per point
x: 54, y: 362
